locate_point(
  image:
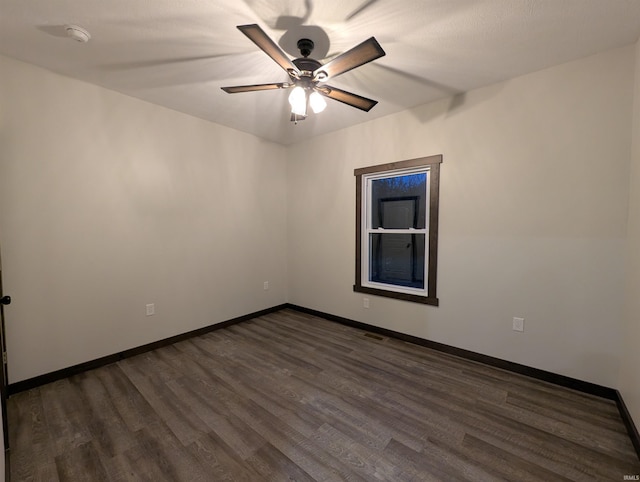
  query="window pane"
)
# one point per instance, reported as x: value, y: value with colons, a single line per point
x: 397, y: 259
x: 399, y: 202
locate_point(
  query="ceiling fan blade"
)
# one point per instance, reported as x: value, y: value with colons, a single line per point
x: 359, y: 55
x: 348, y: 98
x: 268, y: 46
x: 255, y: 87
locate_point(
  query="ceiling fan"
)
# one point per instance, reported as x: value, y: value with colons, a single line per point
x: 308, y: 76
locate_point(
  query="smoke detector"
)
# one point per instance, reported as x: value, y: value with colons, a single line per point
x: 77, y: 33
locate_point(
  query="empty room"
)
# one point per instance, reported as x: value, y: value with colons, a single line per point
x: 320, y: 240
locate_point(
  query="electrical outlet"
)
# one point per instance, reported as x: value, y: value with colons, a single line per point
x: 151, y: 309
x: 265, y: 285
x: 518, y: 324
x: 365, y: 302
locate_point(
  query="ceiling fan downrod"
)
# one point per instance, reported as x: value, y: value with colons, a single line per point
x: 305, y: 46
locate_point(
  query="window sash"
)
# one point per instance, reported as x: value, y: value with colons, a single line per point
x: 367, y: 231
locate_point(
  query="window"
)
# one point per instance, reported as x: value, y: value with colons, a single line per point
x: 397, y: 229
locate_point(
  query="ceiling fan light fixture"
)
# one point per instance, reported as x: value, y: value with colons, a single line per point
x: 317, y: 102
x: 298, y: 101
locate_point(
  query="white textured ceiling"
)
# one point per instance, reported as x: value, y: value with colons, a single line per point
x: 178, y: 53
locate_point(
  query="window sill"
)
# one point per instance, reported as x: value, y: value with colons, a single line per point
x: 425, y: 300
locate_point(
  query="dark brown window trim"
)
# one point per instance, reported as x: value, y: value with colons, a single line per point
x: 433, y: 162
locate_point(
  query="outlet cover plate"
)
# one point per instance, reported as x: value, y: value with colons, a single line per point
x: 518, y: 324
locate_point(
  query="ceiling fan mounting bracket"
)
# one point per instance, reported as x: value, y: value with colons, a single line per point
x: 305, y: 46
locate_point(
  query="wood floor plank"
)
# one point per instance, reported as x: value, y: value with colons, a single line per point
x: 415, y: 466
x: 159, y: 448
x: 556, y: 462
x: 506, y: 465
x: 33, y: 440
x: 82, y: 462
x: 108, y: 430
x: 273, y: 465
x: 221, y: 461
x: 243, y: 440
x: 185, y: 425
x: 581, y: 416
x: 360, y: 458
x: 290, y: 396
x: 535, y: 442
x: 567, y: 430
x: 63, y: 407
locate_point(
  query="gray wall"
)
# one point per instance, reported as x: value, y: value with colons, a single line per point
x: 108, y: 203
x: 533, y: 216
x: 630, y: 351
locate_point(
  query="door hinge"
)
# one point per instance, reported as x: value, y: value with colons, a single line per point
x: 4, y: 357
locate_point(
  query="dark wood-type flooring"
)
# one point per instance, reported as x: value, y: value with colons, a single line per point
x: 289, y: 396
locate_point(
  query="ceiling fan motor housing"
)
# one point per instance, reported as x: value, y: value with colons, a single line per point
x: 307, y: 65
